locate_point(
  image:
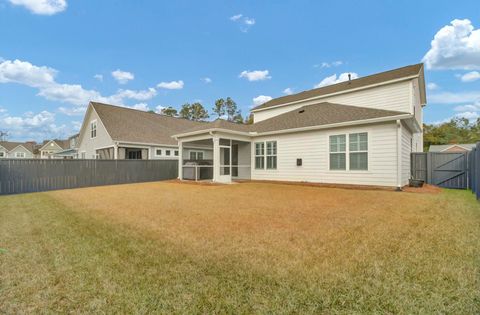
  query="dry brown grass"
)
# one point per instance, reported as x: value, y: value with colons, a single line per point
x: 355, y: 250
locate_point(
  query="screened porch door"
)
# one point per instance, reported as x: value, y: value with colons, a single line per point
x: 225, y: 164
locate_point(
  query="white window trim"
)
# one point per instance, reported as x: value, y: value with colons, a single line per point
x: 263, y: 155
x: 161, y: 152
x: 23, y: 155
x: 196, y: 154
x: 269, y: 155
x: 347, y: 152
x: 3, y: 154
x: 91, y: 128
x: 360, y: 151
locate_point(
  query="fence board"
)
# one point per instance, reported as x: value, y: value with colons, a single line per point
x: 22, y: 176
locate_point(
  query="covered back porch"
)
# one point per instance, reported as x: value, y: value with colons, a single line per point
x: 230, y: 159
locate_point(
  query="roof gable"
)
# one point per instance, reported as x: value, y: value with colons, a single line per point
x: 362, y: 82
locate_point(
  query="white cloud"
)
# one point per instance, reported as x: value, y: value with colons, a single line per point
x: 333, y: 79
x: 470, y: 76
x: 244, y: 22
x: 288, y: 91
x: 42, y: 7
x: 173, y: 85
x: 122, y: 77
x: 455, y: 46
x: 432, y: 86
x: 207, y: 80
x: 33, y: 126
x: 43, y: 79
x: 249, y: 21
x: 469, y: 115
x: 73, y: 111
x: 98, y: 77
x: 141, y: 95
x: 236, y: 17
x: 454, y: 98
x: 257, y: 75
x: 261, y: 99
x: 329, y: 64
x: 140, y: 106
x: 25, y: 73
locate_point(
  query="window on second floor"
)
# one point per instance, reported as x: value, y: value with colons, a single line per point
x: 93, y: 129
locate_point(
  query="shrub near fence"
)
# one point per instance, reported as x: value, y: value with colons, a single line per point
x: 22, y: 176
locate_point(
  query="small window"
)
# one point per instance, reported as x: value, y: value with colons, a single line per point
x: 2, y: 154
x: 167, y: 152
x: 93, y: 129
x: 196, y: 155
x: 158, y: 152
x: 271, y: 155
x: 338, y: 152
x: 20, y: 155
x: 176, y: 152
x: 259, y: 155
x: 358, y: 147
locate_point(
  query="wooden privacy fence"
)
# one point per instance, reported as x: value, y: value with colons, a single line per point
x: 448, y: 169
x: 22, y: 176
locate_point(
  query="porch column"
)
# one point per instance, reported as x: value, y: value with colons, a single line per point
x: 216, y: 159
x: 180, y: 160
x: 115, y: 151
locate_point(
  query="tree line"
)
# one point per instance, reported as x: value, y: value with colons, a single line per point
x: 223, y: 108
x: 457, y: 130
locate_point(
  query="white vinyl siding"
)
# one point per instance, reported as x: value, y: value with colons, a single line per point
x: 395, y: 96
x: 313, y: 148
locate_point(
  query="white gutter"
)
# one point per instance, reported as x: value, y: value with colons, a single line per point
x: 337, y: 93
x: 210, y: 132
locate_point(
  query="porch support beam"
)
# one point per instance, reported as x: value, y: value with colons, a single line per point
x: 180, y: 160
x: 216, y: 159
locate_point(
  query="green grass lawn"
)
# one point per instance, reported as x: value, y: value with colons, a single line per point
x: 101, y: 250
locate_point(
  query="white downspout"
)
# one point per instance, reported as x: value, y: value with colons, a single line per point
x: 399, y: 155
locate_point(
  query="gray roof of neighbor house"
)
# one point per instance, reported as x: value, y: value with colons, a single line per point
x: 395, y: 74
x: 30, y: 146
x: 443, y: 147
x: 130, y: 125
x: 320, y: 114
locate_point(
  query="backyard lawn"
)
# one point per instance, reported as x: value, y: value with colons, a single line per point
x: 243, y: 248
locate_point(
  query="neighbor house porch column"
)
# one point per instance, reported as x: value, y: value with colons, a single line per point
x: 216, y: 159
x: 115, y: 151
x: 180, y: 160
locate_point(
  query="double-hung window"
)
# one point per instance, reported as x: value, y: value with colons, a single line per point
x: 259, y: 155
x: 358, y: 151
x: 93, y: 129
x: 338, y: 155
x: 196, y: 155
x: 20, y: 155
x: 271, y: 155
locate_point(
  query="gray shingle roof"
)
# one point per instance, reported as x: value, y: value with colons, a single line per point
x: 307, y: 116
x: 129, y: 125
x: 12, y: 145
x: 348, y: 85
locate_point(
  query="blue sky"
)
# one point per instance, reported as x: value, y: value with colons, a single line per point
x: 56, y: 55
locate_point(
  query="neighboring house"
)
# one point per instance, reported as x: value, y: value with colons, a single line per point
x: 357, y: 132
x: 69, y: 150
x: 17, y: 150
x: 112, y: 132
x: 460, y: 147
x: 49, y: 148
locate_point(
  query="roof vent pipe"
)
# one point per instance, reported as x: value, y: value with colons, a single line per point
x: 349, y: 77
